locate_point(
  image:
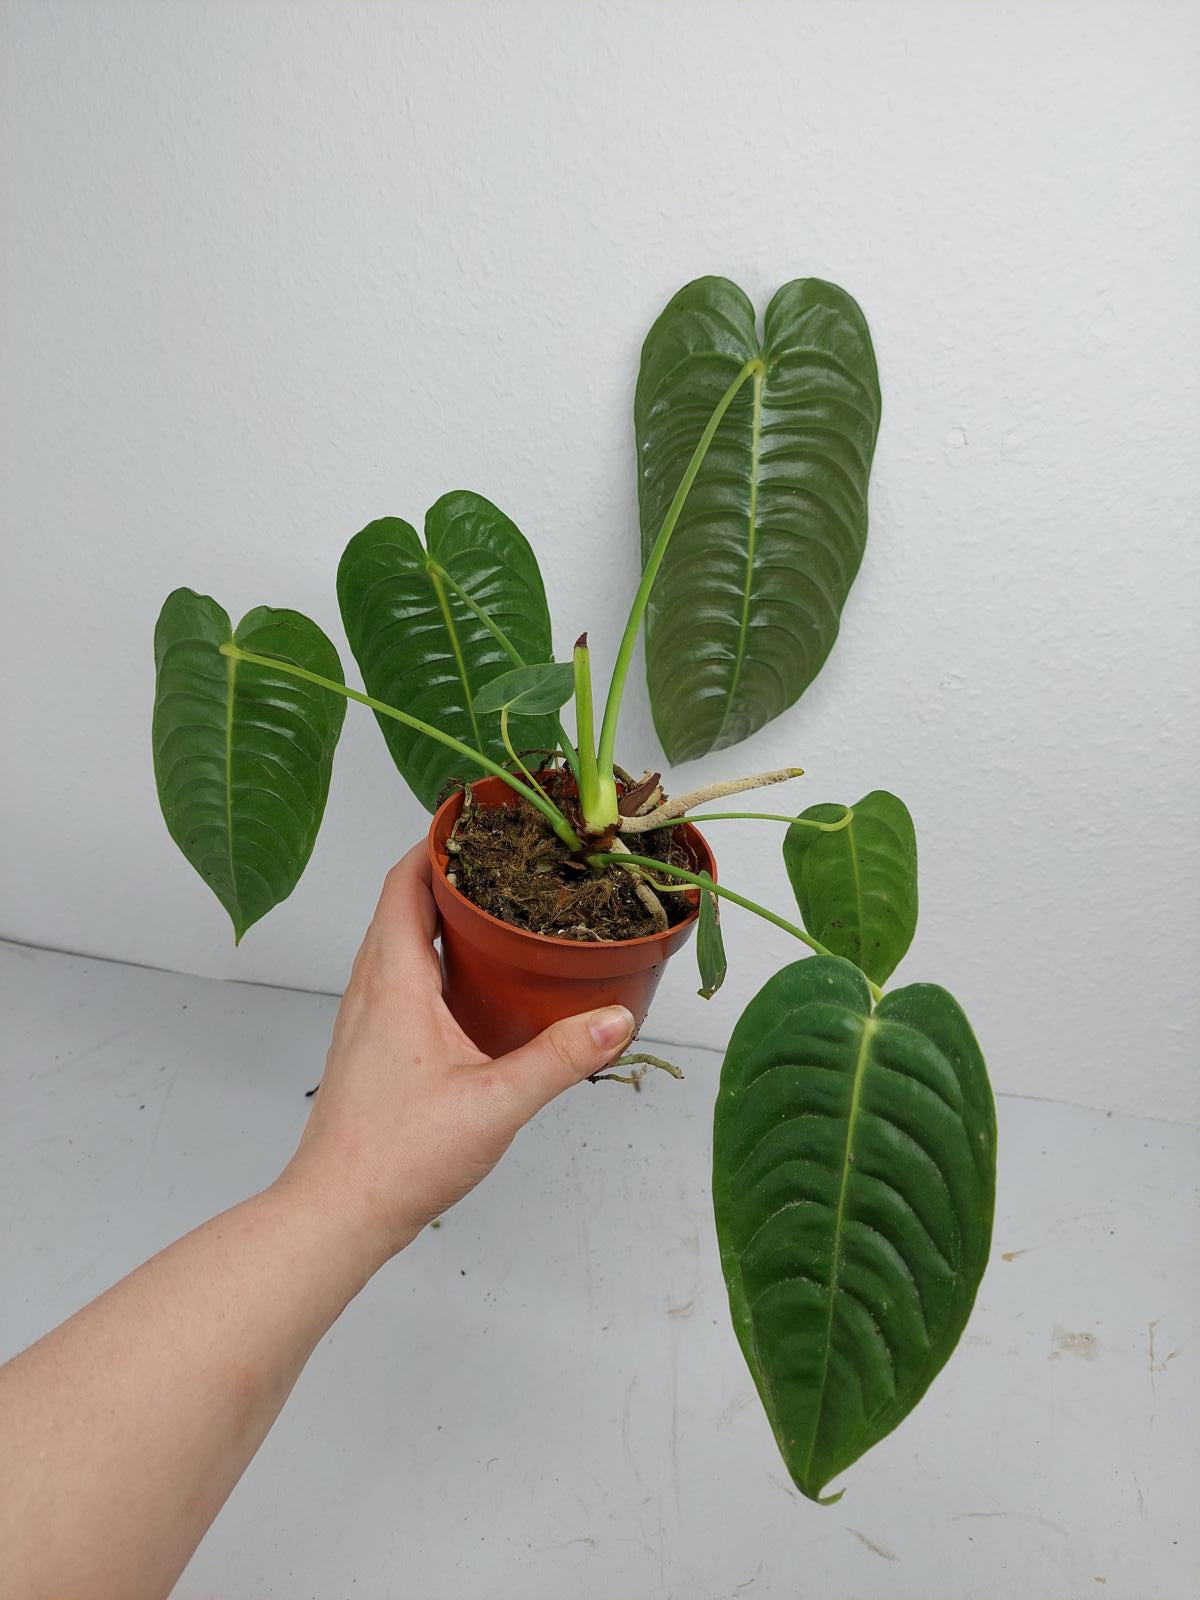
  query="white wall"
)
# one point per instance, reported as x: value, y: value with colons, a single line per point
x: 270, y: 271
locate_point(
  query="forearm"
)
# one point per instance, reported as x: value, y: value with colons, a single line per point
x: 123, y: 1431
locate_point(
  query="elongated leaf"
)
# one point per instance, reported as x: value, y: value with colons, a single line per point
x: 857, y: 888
x: 242, y: 754
x: 853, y: 1181
x: 710, y: 944
x: 422, y: 650
x: 747, y: 604
x: 528, y: 691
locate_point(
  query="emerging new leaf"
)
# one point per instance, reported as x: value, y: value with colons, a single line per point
x: 857, y: 888
x: 853, y: 1182
x: 242, y: 755
x: 528, y: 691
x: 421, y: 648
x: 746, y: 606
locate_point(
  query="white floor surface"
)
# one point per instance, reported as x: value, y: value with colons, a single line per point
x: 543, y: 1399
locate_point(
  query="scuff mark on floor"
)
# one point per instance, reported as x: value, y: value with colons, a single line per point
x: 875, y: 1549
x: 1021, y: 1516
x: 1084, y: 1345
x: 1153, y: 1364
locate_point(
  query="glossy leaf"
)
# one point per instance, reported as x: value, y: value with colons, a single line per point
x: 242, y: 755
x: 857, y: 888
x: 853, y: 1181
x: 421, y: 649
x: 710, y: 945
x: 747, y: 604
x: 528, y: 691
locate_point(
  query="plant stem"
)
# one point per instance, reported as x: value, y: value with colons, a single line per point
x: 509, y: 648
x: 553, y: 815
x: 597, y: 798
x: 762, y: 816
x: 525, y: 772
x: 612, y: 709
x: 494, y: 628
x: 621, y: 860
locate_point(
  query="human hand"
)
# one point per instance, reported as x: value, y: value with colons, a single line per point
x: 410, y: 1114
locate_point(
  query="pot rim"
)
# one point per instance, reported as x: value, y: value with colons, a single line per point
x: 551, y: 939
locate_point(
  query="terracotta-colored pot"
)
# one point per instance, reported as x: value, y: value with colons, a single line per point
x: 505, y: 984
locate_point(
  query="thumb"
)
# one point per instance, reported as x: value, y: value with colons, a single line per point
x: 565, y: 1053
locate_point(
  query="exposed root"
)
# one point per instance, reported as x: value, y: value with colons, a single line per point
x: 634, y: 1078
x: 644, y: 892
x: 681, y: 804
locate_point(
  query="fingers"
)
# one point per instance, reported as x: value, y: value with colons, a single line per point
x: 564, y: 1054
x: 406, y: 922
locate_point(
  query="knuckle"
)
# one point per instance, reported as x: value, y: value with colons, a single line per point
x: 565, y: 1046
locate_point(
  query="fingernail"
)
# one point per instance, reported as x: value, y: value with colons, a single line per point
x: 610, y: 1027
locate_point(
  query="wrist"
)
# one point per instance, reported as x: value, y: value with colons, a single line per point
x: 340, y: 1207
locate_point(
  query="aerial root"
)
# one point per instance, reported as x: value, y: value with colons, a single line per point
x: 644, y: 892
x: 681, y: 804
x: 642, y: 1064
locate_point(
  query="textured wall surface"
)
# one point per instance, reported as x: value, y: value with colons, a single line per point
x: 270, y: 271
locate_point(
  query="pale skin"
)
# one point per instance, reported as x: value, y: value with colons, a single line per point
x: 123, y: 1431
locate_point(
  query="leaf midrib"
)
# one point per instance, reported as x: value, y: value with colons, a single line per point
x: 860, y: 1068
x: 856, y: 881
x: 230, y: 681
x: 751, y: 536
x: 456, y: 645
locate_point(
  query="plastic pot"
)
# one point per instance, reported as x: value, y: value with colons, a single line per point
x: 505, y: 984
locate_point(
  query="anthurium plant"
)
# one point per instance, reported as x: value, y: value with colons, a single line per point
x: 854, y: 1131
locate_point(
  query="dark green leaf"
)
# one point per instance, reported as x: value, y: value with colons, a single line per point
x: 422, y: 650
x: 857, y: 888
x: 710, y: 945
x: 528, y: 691
x: 853, y: 1181
x: 242, y: 755
x: 747, y: 604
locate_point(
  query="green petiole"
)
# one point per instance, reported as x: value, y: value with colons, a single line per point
x: 612, y: 708
x: 607, y: 858
x: 553, y: 815
x: 524, y: 770
x: 509, y: 648
x: 763, y: 816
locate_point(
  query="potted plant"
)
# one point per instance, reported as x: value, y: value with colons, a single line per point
x: 854, y: 1131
